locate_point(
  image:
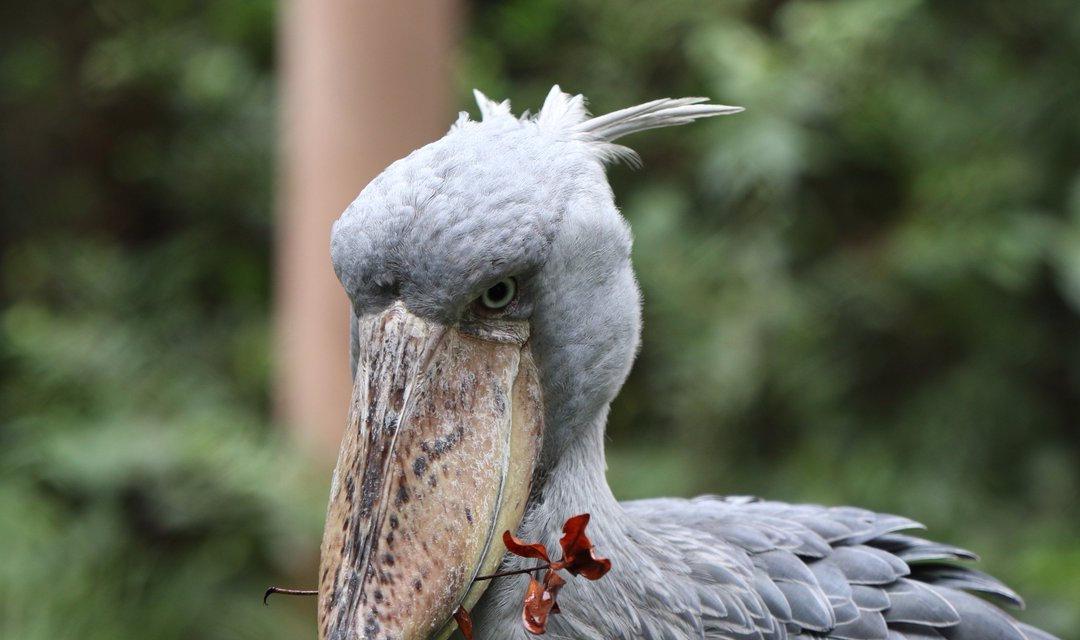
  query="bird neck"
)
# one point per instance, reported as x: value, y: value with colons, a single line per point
x: 573, y: 481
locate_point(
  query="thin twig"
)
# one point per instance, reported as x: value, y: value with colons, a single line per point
x: 511, y: 573
x: 288, y: 592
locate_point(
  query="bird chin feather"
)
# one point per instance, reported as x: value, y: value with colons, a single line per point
x: 436, y: 462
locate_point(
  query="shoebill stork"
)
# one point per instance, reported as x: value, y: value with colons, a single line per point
x: 495, y: 315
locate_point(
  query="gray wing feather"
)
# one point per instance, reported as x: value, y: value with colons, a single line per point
x: 784, y: 565
x: 809, y: 608
x: 870, y: 625
x: 832, y: 581
x: 967, y: 579
x: 982, y: 621
x: 911, y: 549
x: 830, y: 530
x: 846, y: 611
x: 772, y: 596
x: 840, y: 572
x: 872, y: 598
x: 915, y: 603
x: 913, y: 632
x: 866, y: 565
x: 883, y: 524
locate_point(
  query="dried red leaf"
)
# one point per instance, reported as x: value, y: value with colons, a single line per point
x: 519, y: 547
x: 552, y: 583
x: 532, y: 617
x: 464, y: 622
x: 540, y: 601
x: 578, y: 557
x: 540, y: 597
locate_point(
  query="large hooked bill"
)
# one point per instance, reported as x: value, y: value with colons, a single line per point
x: 442, y: 439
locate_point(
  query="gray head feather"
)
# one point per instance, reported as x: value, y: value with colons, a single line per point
x: 523, y: 197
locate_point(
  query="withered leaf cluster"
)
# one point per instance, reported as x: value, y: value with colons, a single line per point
x: 578, y: 559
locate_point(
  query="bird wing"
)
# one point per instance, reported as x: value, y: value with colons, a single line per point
x: 845, y: 573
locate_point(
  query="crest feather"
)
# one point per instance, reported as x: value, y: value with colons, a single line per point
x: 567, y: 115
x: 561, y: 111
x: 665, y: 112
x: 489, y: 109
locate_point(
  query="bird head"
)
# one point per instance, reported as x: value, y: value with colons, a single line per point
x: 495, y: 311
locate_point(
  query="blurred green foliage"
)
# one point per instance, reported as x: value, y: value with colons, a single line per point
x: 863, y: 290
x: 143, y: 492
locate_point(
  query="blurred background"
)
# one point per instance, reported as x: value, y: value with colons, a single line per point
x: 865, y: 289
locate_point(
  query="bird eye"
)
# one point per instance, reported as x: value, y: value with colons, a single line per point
x: 500, y: 295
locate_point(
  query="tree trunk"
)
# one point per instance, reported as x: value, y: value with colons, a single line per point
x: 363, y: 83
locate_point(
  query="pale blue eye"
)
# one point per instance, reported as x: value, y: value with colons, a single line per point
x: 499, y: 295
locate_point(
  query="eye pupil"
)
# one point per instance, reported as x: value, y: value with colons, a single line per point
x: 499, y: 295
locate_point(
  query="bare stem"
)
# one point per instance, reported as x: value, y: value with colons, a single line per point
x: 288, y: 592
x: 511, y: 573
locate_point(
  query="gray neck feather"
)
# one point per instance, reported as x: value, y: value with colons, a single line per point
x: 575, y: 483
